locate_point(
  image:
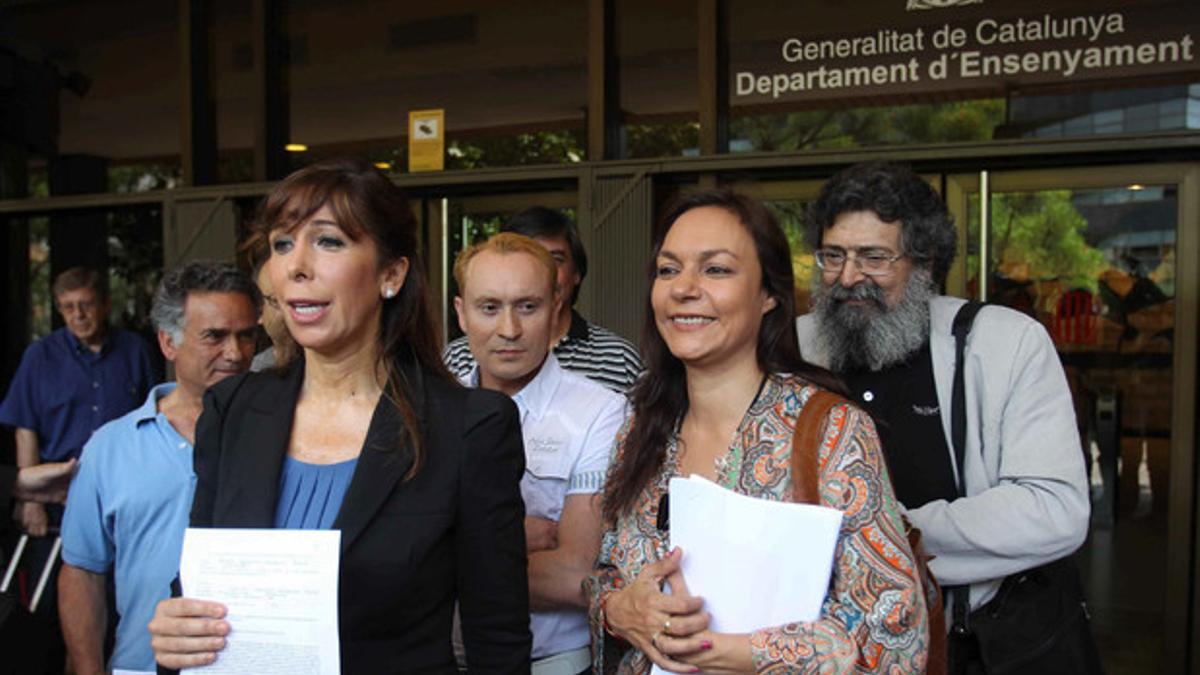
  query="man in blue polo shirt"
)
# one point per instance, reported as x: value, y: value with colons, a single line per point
x: 72, y: 381
x: 128, y: 507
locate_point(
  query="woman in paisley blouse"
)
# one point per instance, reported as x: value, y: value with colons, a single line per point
x: 724, y: 386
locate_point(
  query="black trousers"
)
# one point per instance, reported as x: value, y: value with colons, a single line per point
x: 963, y: 655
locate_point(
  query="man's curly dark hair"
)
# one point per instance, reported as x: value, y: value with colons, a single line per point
x: 896, y: 195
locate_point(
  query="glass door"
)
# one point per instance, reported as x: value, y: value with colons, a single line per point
x: 1092, y: 254
x: 453, y: 223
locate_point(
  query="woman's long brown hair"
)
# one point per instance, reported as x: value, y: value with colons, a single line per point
x: 659, y: 399
x: 366, y: 203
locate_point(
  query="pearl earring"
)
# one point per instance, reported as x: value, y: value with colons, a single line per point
x: 389, y: 293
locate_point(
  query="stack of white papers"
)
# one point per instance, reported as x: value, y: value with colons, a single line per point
x: 756, y: 563
x: 280, y: 590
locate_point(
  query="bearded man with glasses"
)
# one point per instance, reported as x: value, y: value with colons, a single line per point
x: 883, y: 242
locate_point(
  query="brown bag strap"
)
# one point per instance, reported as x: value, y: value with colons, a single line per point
x: 806, y: 445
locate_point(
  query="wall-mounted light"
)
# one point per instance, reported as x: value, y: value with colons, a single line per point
x: 296, y: 147
x: 383, y: 166
x: 1137, y: 186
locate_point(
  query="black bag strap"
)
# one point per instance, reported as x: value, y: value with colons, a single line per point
x: 958, y: 406
x: 958, y: 436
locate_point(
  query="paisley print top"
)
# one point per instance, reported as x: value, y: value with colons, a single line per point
x: 873, y: 619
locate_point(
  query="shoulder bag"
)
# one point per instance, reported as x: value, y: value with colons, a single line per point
x: 1038, y: 622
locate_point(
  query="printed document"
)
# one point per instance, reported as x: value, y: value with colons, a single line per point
x: 280, y: 588
x: 757, y: 563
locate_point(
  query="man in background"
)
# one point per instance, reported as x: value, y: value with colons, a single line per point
x: 67, y: 385
x: 72, y: 381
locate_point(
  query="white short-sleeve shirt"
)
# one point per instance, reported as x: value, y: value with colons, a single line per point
x: 568, y: 423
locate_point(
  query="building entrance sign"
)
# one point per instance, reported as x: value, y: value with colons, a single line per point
x: 426, y: 140
x: 976, y: 47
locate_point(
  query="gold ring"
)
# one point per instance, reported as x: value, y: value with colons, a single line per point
x: 667, y: 626
x: 654, y: 639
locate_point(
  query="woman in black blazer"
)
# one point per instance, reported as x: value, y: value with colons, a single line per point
x: 430, y: 507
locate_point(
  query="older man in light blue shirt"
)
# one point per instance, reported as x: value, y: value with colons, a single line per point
x: 507, y: 307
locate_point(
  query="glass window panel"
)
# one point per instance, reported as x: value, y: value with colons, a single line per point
x: 790, y: 214
x: 234, y: 88
x: 41, y: 305
x: 831, y: 99
x: 1172, y: 121
x: 89, y: 66
x: 1097, y: 268
x: 1173, y: 107
x: 135, y: 265
x: 656, y: 50
x: 510, y: 76
x: 143, y: 176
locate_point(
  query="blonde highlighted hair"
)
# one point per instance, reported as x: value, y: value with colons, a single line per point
x: 506, y: 243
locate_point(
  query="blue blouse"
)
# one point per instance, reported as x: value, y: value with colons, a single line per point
x: 310, y: 495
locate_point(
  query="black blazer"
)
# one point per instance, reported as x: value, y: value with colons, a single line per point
x: 409, y: 548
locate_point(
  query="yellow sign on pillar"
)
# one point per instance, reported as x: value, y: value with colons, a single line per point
x: 426, y: 140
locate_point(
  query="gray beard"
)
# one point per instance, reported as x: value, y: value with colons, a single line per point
x: 872, y: 336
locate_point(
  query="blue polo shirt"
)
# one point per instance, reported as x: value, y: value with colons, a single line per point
x: 64, y: 391
x: 126, y: 512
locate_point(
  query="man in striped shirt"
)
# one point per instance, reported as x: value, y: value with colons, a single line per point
x: 580, y: 346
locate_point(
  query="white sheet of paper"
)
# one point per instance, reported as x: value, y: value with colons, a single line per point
x: 756, y: 562
x: 280, y: 588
